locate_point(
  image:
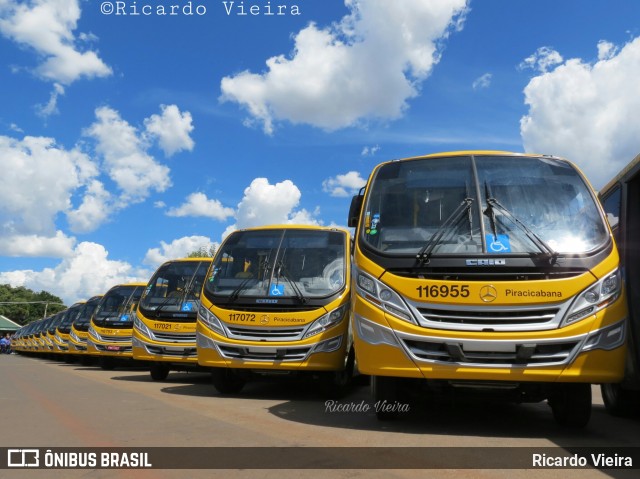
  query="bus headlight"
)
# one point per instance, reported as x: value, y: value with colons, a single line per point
x: 210, y: 320
x: 382, y: 296
x: 93, y: 334
x: 595, y: 298
x: 139, y: 325
x: 327, y: 321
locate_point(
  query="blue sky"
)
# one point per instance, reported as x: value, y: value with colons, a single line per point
x: 127, y: 140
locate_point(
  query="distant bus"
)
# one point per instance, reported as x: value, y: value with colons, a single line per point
x: 164, y: 329
x: 80, y: 327
x: 621, y: 201
x: 110, y: 329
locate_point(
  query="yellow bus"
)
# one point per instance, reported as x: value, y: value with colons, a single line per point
x: 621, y: 201
x: 63, y: 328
x: 80, y: 327
x: 49, y: 335
x: 40, y: 343
x: 30, y: 343
x: 164, y: 329
x: 483, y: 270
x: 110, y: 328
x: 276, y: 301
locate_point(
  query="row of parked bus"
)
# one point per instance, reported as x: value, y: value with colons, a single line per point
x: 468, y: 271
x: 276, y: 298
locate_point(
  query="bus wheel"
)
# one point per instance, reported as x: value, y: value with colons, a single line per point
x: 107, y: 363
x: 159, y: 372
x: 619, y: 401
x: 571, y: 404
x: 335, y: 385
x: 227, y: 381
x: 385, y: 392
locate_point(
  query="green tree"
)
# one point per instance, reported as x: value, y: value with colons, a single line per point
x: 204, y: 252
x: 23, y: 305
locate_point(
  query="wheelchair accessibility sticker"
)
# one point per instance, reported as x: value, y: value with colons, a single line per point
x: 124, y: 317
x: 276, y: 290
x: 498, y: 244
x: 187, y: 307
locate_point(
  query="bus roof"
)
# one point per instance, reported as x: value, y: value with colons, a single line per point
x: 633, y: 164
x: 296, y: 227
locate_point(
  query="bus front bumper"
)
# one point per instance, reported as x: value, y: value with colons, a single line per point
x: 596, y: 357
x: 324, y: 352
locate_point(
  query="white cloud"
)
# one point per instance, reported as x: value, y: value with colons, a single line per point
x: 370, y: 151
x: 128, y: 164
x: 178, y: 248
x: 41, y: 181
x: 344, y: 185
x: 365, y: 67
x: 94, y: 210
x: 47, y: 26
x: 172, y: 128
x: 51, y: 107
x: 587, y: 112
x: 198, y: 204
x: 37, y: 183
x: 543, y: 59
x: 483, y: 81
x: 57, y: 246
x: 84, y: 273
x: 267, y: 204
x: 606, y: 50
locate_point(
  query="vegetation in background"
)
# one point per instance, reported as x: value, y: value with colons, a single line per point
x: 23, y: 305
x: 204, y: 252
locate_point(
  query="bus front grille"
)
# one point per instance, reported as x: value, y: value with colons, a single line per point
x: 264, y: 354
x: 265, y: 334
x: 494, y: 353
x: 189, y: 338
x: 481, y: 316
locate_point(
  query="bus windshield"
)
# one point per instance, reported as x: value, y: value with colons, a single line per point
x: 481, y: 204
x: 175, y: 287
x: 82, y: 319
x: 117, y: 307
x: 69, y: 316
x: 280, y: 263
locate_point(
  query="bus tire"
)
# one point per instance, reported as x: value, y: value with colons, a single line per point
x: 107, y: 363
x: 227, y: 381
x: 336, y: 384
x: 384, y: 390
x: 571, y: 404
x: 159, y: 371
x: 619, y: 401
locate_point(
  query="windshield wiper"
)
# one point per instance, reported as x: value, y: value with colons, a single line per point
x: 493, y: 204
x: 236, y: 292
x: 453, y: 219
x: 282, y: 271
x: 188, y: 290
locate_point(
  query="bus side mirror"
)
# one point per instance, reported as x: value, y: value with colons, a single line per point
x: 354, y: 211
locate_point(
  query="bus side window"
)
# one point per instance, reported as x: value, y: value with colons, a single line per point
x: 611, y: 205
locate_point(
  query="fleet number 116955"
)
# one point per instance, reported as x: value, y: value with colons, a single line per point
x: 443, y: 291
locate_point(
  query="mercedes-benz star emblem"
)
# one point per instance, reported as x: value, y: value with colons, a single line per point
x: 264, y: 319
x: 488, y: 294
